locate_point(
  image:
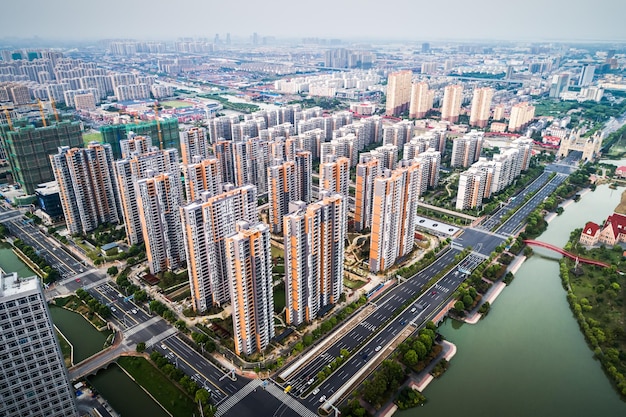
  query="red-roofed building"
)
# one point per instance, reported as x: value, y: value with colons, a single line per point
x: 621, y: 172
x: 590, y: 234
x: 614, y: 230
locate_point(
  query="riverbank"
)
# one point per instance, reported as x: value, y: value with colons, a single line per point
x: 420, y: 381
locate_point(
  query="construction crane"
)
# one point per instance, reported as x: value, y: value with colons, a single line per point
x: 8, y: 115
x: 54, y: 110
x: 43, y: 115
x: 156, y: 107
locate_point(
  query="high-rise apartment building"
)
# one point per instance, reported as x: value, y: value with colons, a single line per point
x: 430, y: 160
x: 87, y: 186
x: 466, y: 149
x: 481, y: 106
x: 452, y: 100
x: 132, y: 169
x: 521, y: 115
x: 282, y: 190
x: 471, y: 190
x: 34, y: 380
x: 193, y: 142
x: 201, y: 175
x: 366, y: 171
x: 304, y: 178
x: 250, y: 164
x: 251, y: 290
x: 421, y: 100
x: 223, y: 151
x: 28, y: 150
x: 159, y: 210
x: 314, y: 237
x: 206, y: 222
x: 393, y: 215
x: 335, y: 176
x: 135, y: 144
x: 398, y: 92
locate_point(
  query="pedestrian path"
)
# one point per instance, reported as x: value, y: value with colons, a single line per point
x: 289, y: 401
x: 238, y: 396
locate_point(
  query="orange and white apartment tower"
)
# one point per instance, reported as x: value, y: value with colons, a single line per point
x: 366, y: 172
x: 452, y: 100
x: 87, y: 186
x: 134, y: 168
x: 201, y: 175
x: 335, y: 176
x: 281, y: 180
x: 472, y: 185
x: 159, y: 210
x: 481, y: 107
x: 314, y: 238
x: 193, y: 142
x: 393, y: 215
x: 398, y: 92
x: 205, y: 224
x: 250, y: 283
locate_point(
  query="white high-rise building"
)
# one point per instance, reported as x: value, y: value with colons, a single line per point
x: 134, y: 168
x: 251, y: 291
x: 201, y: 175
x: 466, y: 149
x: 34, y: 379
x: 160, y: 198
x: 193, y: 142
x: 471, y: 190
x: 393, y: 215
x: 87, y: 186
x: 335, y: 176
x: 314, y: 237
x: 205, y: 224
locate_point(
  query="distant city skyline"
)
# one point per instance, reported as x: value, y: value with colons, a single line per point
x: 532, y: 20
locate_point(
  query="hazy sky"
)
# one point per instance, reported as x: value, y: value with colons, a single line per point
x: 389, y: 19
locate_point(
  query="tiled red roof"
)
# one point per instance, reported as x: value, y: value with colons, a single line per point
x: 591, y: 229
x: 617, y: 222
x: 621, y: 170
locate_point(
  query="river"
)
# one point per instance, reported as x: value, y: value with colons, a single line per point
x: 528, y: 356
x: 9, y: 262
x: 124, y: 395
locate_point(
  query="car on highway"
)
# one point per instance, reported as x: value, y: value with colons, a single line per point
x: 413, y: 310
x: 315, y: 391
x: 365, y: 355
x: 134, y: 310
x: 77, y: 279
x: 433, y: 293
x: 322, y: 398
x: 402, y: 322
x: 379, y: 347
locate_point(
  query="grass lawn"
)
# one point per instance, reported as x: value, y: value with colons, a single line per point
x: 91, y: 137
x: 159, y: 386
x: 277, y: 252
x: 175, y: 104
x: 353, y: 284
x: 279, y: 298
x: 66, y: 349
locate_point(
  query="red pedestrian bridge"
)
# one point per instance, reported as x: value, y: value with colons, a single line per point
x: 565, y: 253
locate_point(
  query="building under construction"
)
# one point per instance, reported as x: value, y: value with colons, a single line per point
x: 168, y: 137
x: 28, y: 148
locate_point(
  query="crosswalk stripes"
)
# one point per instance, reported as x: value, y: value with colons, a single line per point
x: 289, y: 401
x: 238, y: 396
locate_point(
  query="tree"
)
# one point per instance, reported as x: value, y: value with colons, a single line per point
x: 410, y: 357
x: 141, y: 347
x: 112, y: 270
x: 180, y: 325
x: 468, y: 301
x: 202, y: 396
